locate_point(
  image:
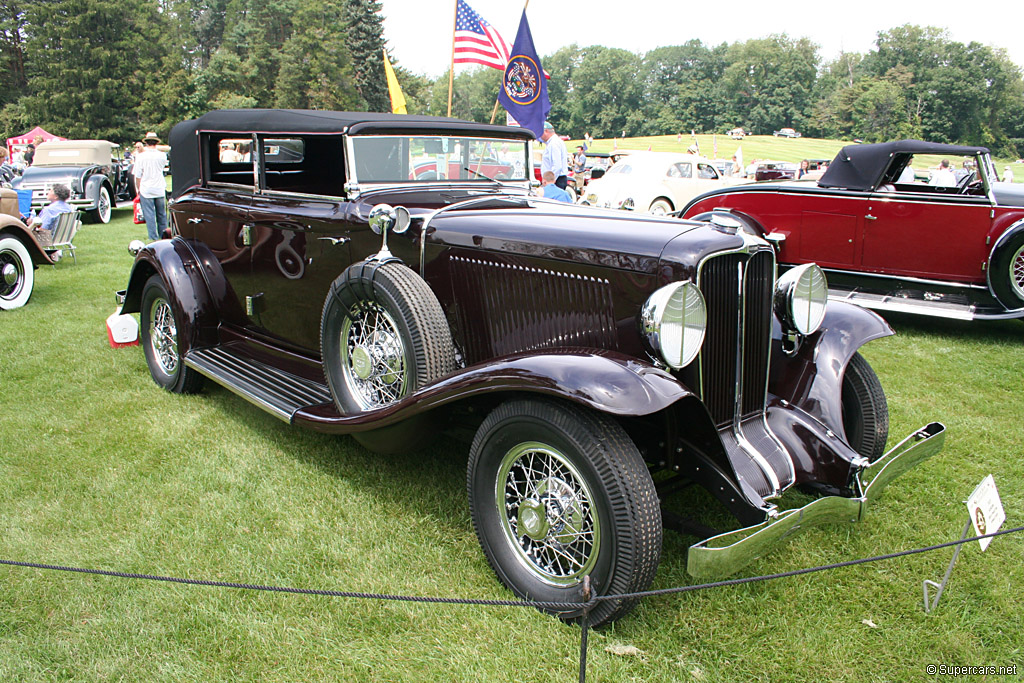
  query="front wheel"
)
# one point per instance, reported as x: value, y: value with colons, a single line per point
x: 160, y: 339
x: 557, y: 493
x: 17, y: 274
x: 865, y: 409
x: 101, y: 214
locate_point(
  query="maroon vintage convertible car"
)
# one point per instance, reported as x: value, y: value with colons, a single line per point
x: 604, y: 360
x: 889, y: 237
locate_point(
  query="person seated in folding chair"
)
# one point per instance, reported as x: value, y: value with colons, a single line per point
x: 45, y: 222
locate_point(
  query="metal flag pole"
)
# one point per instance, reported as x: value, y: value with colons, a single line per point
x: 451, y: 68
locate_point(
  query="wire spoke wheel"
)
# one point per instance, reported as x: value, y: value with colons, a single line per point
x: 1017, y: 272
x: 383, y: 335
x: 547, y: 513
x: 373, y: 356
x: 558, y: 493
x: 163, y: 335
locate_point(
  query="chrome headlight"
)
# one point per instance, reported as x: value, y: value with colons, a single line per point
x: 800, y: 298
x: 673, y: 320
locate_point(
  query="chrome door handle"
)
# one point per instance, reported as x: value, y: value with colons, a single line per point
x: 869, y: 217
x: 196, y: 220
x: 334, y: 240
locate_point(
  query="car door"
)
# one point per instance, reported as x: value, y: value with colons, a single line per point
x: 926, y: 234
x: 301, y: 238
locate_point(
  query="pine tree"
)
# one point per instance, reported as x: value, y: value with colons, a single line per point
x: 365, y: 39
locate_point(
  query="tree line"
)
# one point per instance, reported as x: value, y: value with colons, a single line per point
x: 109, y: 69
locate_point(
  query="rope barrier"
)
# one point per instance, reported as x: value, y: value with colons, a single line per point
x: 587, y: 605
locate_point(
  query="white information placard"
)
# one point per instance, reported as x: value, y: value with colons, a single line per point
x: 986, y: 510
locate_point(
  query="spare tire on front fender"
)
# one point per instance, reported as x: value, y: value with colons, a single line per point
x: 383, y: 335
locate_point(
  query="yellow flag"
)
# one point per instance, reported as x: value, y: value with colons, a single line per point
x: 397, y: 98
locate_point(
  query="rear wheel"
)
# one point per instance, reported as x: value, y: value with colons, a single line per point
x: 558, y: 493
x: 17, y: 274
x: 161, y: 342
x: 1007, y: 273
x: 865, y: 409
x: 660, y: 207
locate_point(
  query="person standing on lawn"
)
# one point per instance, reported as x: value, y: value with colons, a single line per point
x: 151, y: 186
x: 556, y: 158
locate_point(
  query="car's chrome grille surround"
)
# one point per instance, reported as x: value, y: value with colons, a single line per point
x: 738, y: 287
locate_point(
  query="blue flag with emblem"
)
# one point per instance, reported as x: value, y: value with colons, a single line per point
x: 524, y: 91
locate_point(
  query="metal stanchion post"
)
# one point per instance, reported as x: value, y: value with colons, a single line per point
x: 945, y: 579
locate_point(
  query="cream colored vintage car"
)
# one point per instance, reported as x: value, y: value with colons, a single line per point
x: 656, y: 182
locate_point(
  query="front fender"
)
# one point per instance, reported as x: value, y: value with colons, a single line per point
x: 812, y: 379
x: 607, y: 382
x: 91, y: 191
x: 190, y: 298
x: 9, y: 225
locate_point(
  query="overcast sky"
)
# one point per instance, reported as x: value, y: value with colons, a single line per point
x: 419, y: 32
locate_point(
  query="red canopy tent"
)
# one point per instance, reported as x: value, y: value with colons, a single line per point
x: 21, y: 141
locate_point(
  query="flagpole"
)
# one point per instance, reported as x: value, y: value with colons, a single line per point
x: 451, y: 69
x: 494, y: 112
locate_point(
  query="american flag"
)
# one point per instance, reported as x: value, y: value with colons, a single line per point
x: 476, y: 41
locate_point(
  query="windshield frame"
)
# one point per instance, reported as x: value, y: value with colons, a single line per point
x: 467, y: 141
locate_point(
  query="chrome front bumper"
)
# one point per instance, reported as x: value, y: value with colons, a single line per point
x: 727, y: 553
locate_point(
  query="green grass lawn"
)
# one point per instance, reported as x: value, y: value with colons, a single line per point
x: 102, y: 469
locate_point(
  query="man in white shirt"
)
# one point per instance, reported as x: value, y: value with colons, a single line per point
x: 555, y: 158
x: 151, y: 186
x: 944, y: 177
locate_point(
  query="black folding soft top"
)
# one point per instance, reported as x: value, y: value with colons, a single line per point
x: 185, y: 145
x: 860, y: 167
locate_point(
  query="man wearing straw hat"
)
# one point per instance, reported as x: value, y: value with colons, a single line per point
x: 150, y: 184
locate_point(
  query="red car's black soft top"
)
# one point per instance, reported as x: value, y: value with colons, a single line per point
x: 185, y: 145
x: 860, y: 167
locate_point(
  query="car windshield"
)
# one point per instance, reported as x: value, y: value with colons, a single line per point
x: 394, y: 158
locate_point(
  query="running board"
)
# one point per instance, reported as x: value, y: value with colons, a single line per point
x: 279, y: 393
x: 938, y: 307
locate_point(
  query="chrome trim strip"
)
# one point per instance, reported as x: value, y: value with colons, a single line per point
x: 901, y: 305
x: 903, y: 278
x: 725, y: 554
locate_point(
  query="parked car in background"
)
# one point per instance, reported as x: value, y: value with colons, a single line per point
x: 94, y: 170
x: 654, y: 182
x: 20, y: 254
x: 596, y: 166
x: 602, y: 359
x: 775, y: 170
x: 786, y: 133
x: 737, y: 133
x: 889, y: 241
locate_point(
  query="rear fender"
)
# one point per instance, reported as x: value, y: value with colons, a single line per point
x: 190, y: 297
x: 812, y: 378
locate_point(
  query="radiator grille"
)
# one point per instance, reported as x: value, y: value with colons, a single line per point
x: 737, y: 288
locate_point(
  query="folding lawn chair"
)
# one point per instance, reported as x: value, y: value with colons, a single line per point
x: 64, y: 231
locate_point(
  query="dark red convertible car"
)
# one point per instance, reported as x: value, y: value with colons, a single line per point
x: 603, y: 360
x: 895, y: 229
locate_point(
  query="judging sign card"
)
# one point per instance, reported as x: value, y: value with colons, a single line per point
x: 986, y: 510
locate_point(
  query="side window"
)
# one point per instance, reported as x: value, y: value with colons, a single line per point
x: 304, y: 164
x: 227, y: 159
x: 680, y: 170
x: 706, y: 172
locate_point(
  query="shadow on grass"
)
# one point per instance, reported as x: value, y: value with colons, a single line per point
x: 432, y: 478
